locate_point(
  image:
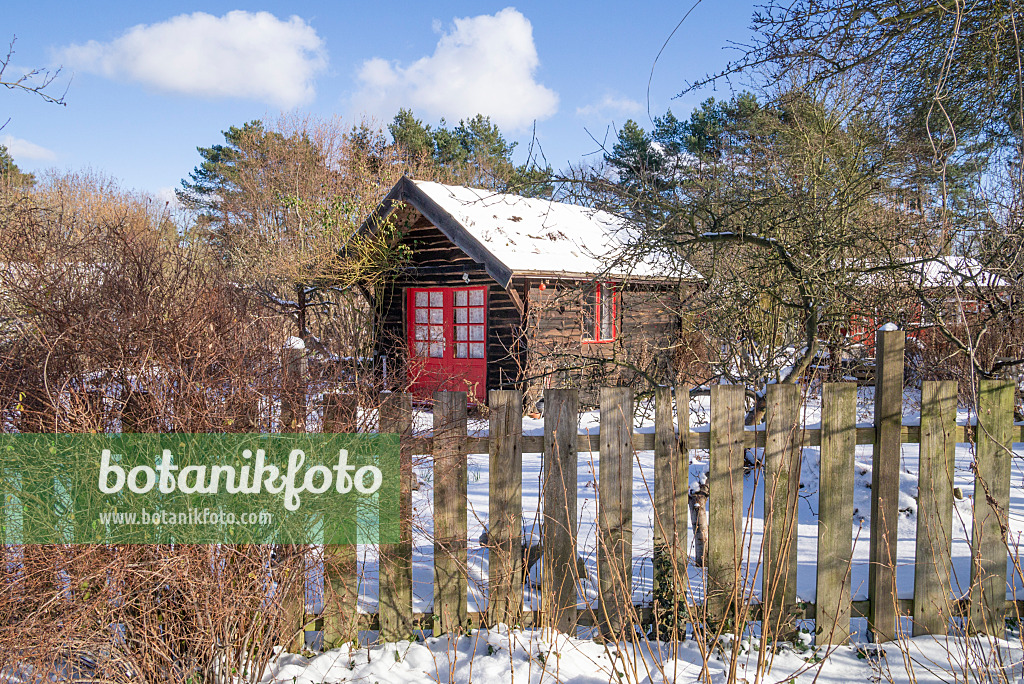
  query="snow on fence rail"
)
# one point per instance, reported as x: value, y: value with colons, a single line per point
x: 724, y: 600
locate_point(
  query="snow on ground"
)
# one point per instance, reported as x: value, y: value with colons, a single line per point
x: 501, y: 656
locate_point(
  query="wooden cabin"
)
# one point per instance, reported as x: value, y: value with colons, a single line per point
x: 949, y: 287
x: 501, y: 292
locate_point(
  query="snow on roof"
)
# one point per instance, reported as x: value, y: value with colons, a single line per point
x: 953, y: 271
x: 539, y: 236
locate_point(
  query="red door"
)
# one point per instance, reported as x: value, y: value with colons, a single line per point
x: 447, y: 330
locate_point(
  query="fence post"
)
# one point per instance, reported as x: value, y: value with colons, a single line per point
x: 932, y: 600
x: 615, y: 511
x: 505, y: 508
x: 340, y: 573
x: 835, y: 513
x: 293, y: 419
x: 293, y: 386
x: 725, y: 498
x: 450, y: 530
x: 781, y: 489
x: 396, y: 559
x: 671, y: 487
x: 991, y: 506
x: 559, y: 572
x: 885, y: 483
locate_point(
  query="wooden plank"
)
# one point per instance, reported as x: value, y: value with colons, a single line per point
x: 698, y: 439
x: 781, y: 490
x: 559, y: 573
x: 505, y: 508
x: 615, y: 512
x: 450, y: 507
x: 885, y: 484
x: 671, y: 488
x: 396, y: 620
x: 341, y: 578
x: 932, y: 602
x: 835, y: 513
x: 293, y: 419
x: 293, y: 389
x: 701, y: 439
x: 991, y: 507
x: 725, y: 501
x: 587, y: 618
x: 340, y: 412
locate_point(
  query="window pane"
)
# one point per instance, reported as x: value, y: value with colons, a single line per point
x: 460, y: 315
x: 460, y: 298
x: 607, y: 313
x: 436, y: 299
x: 437, y: 316
x: 476, y: 298
x: 436, y: 350
x: 476, y: 350
x: 421, y: 332
x: 476, y: 315
x: 437, y: 333
x: 421, y: 299
x: 460, y: 332
x: 461, y: 350
x: 421, y: 315
x: 589, y: 315
x: 421, y: 349
x: 476, y: 332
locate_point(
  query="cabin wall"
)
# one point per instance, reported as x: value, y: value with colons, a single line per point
x: 436, y: 261
x: 646, y: 345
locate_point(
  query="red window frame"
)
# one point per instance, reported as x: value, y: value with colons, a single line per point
x: 595, y: 300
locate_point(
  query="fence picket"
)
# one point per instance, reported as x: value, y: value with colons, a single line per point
x: 615, y: 511
x: 671, y: 486
x: 450, y: 507
x: 559, y: 573
x: 781, y: 488
x: 932, y: 603
x: 293, y: 419
x: 293, y: 389
x: 991, y: 506
x: 725, y: 501
x: 505, y: 508
x: 396, y: 620
x: 835, y: 512
x: 885, y: 484
x: 341, y: 578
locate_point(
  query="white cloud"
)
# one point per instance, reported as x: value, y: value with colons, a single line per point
x: 168, y: 197
x: 251, y: 55
x: 484, y: 65
x: 23, y: 149
x: 609, y: 106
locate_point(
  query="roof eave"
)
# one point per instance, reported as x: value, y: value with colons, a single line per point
x: 624, y: 277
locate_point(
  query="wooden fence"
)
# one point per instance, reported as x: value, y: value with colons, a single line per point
x: 781, y: 438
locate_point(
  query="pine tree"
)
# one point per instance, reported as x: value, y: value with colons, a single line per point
x: 10, y: 173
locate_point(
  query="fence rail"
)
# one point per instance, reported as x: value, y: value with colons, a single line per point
x: 782, y: 437
x: 753, y: 438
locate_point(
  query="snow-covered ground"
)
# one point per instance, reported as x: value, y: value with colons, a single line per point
x: 499, y: 655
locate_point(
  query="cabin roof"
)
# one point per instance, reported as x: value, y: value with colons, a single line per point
x: 518, y: 236
x: 953, y: 271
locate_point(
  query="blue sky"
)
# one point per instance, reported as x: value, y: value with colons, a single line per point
x: 149, y: 82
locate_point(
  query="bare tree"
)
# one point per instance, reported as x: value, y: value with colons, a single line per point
x: 37, y: 82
